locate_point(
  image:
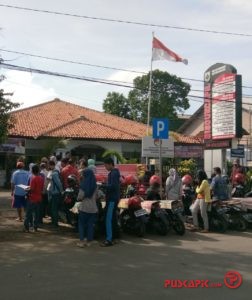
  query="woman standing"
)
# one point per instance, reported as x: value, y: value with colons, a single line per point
x: 87, y: 208
x: 173, y: 186
x: 201, y: 202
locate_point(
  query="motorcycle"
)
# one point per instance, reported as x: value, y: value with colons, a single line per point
x: 235, y: 216
x: 174, y: 210
x: 157, y: 218
x: 188, y: 194
x: 216, y: 217
x: 133, y: 218
x: 238, y: 191
x: 69, y: 199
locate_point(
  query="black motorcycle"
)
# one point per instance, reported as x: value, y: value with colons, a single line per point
x: 133, y: 219
x: 69, y: 199
x: 157, y: 218
x: 236, y: 217
x: 188, y: 194
x: 174, y: 210
x: 217, y: 218
x: 238, y: 191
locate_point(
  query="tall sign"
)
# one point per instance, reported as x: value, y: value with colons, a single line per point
x: 222, y: 103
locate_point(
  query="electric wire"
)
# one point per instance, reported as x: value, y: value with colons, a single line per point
x: 125, y: 21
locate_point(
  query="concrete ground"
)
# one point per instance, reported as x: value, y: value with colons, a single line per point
x: 48, y: 265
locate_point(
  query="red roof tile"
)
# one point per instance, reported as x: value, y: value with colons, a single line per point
x: 58, y: 118
x: 62, y: 119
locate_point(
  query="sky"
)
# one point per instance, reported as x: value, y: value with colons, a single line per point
x: 118, y: 45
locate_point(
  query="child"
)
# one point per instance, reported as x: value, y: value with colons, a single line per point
x: 34, y: 200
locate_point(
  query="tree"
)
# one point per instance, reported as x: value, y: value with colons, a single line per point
x: 169, y: 96
x: 117, y: 104
x: 6, y: 120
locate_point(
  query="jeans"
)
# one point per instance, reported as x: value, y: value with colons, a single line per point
x: 54, y: 202
x: 86, y: 225
x: 32, y: 215
x: 109, y: 220
x: 201, y: 205
x: 43, y: 207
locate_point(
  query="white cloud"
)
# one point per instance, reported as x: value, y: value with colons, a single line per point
x: 26, y: 91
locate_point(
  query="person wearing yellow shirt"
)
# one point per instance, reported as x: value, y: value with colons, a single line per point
x: 201, y: 202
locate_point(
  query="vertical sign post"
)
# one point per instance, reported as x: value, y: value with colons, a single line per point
x: 160, y: 131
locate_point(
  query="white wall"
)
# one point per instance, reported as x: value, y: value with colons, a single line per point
x: 214, y: 158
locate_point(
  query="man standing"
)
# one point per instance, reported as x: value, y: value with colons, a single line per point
x: 68, y: 168
x: 237, y: 168
x: 112, y: 199
x: 20, y: 176
x: 34, y: 200
x: 55, y: 190
x: 218, y: 186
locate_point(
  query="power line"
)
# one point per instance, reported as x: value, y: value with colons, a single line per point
x: 71, y: 61
x: 126, y: 21
x: 89, y: 79
x: 101, y: 66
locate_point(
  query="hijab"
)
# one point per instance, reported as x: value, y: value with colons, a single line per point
x: 88, y: 183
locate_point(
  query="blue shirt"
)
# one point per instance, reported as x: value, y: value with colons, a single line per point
x: 219, y: 188
x: 20, y: 176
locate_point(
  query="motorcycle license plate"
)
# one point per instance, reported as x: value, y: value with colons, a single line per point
x: 140, y: 212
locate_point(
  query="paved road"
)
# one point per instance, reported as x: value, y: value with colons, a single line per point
x: 48, y: 265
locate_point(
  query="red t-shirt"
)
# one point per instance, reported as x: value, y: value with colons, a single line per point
x: 37, y: 186
x: 66, y: 171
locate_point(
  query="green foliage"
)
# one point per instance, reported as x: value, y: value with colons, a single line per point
x: 188, y: 166
x: 120, y: 158
x: 110, y: 153
x: 169, y: 96
x: 6, y: 120
x: 116, y: 104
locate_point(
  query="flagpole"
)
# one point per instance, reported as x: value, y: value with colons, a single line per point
x: 149, y: 91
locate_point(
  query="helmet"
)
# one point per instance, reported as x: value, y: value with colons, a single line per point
x: 239, y: 178
x: 130, y: 179
x: 134, y: 202
x: 72, y: 180
x: 155, y: 180
x: 187, y: 179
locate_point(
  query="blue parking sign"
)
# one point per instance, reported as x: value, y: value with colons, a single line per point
x: 160, y: 128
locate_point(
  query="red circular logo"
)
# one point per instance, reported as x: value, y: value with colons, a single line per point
x: 233, y: 279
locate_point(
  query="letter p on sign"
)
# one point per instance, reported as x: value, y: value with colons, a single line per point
x: 160, y: 128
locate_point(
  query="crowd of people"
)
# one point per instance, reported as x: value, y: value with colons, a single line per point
x: 39, y: 193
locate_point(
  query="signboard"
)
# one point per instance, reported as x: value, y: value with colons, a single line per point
x: 218, y: 144
x: 188, y: 151
x: 13, y: 145
x: 222, y: 103
x: 150, y: 147
x: 160, y: 128
x: 239, y: 152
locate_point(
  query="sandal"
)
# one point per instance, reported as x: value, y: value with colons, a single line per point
x: 106, y: 244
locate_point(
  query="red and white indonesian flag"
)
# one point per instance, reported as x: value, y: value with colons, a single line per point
x: 161, y: 52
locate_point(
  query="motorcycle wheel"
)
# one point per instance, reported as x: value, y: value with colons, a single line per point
x: 123, y: 220
x: 140, y: 229
x: 240, y: 224
x: 218, y: 224
x: 161, y: 227
x: 179, y: 227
